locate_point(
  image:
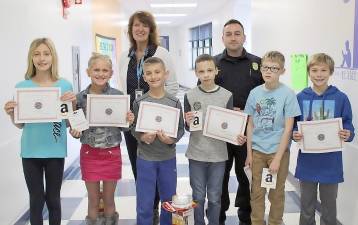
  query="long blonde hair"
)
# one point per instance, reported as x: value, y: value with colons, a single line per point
x: 31, y: 70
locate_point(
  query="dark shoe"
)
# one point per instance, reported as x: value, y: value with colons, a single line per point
x: 156, y: 216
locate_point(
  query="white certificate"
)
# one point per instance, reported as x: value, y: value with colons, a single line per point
x: 153, y: 117
x: 78, y: 120
x: 224, y: 124
x: 107, y: 110
x: 321, y: 135
x: 37, y: 105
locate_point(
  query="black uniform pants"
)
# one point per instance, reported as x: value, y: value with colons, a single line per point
x: 242, y: 200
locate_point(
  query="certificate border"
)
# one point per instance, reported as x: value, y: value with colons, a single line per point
x: 91, y: 100
x: 152, y: 104
x: 18, y: 119
x: 210, y: 109
x: 317, y: 122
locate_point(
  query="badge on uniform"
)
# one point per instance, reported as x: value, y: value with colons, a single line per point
x: 268, y: 180
x: 255, y: 66
x: 197, y: 122
x: 138, y: 93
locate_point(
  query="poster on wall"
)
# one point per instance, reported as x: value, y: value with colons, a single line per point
x: 107, y: 46
x: 299, y: 71
x: 345, y: 75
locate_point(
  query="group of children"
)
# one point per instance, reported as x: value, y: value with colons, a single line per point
x: 273, y: 110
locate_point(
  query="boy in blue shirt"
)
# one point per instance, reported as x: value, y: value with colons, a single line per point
x: 319, y: 102
x: 272, y: 108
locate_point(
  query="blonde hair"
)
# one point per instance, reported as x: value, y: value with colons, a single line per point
x: 31, y: 70
x: 148, y: 19
x: 274, y: 56
x: 321, y: 58
x: 96, y: 56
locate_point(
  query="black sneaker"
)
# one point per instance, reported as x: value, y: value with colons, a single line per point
x: 155, y: 216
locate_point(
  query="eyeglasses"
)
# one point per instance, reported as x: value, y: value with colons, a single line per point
x: 273, y: 69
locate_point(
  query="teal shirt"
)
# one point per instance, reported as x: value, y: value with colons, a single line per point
x: 44, y: 140
x: 269, y: 110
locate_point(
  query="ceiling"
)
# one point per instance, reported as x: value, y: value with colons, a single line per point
x: 203, y: 7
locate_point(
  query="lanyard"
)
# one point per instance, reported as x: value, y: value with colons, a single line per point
x: 140, y: 68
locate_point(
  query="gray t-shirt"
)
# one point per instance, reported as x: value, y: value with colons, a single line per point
x: 157, y: 151
x: 202, y: 148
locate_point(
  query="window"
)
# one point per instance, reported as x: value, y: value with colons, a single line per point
x: 164, y: 42
x: 200, y: 42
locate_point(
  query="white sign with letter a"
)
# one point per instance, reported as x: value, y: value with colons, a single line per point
x: 65, y: 110
x: 197, y: 122
x: 268, y: 180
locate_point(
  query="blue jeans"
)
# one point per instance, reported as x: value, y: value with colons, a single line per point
x: 149, y: 175
x: 206, y: 178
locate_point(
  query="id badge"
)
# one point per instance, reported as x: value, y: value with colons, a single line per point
x: 138, y: 93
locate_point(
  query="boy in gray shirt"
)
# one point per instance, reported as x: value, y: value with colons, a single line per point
x: 206, y: 155
x: 156, y: 161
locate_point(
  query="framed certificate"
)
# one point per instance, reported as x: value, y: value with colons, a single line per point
x: 321, y: 135
x: 107, y: 110
x: 224, y: 124
x: 37, y: 105
x: 153, y: 117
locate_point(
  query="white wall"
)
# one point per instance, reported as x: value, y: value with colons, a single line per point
x: 305, y: 26
x: 179, y: 36
x: 21, y: 21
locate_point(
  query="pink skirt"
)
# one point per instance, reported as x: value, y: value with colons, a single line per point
x: 100, y: 164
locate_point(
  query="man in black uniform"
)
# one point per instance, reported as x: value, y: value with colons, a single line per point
x: 239, y: 72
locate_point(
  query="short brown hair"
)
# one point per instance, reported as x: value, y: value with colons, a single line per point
x: 154, y: 60
x: 274, y: 56
x: 321, y: 58
x: 233, y: 21
x: 148, y: 19
x: 203, y: 58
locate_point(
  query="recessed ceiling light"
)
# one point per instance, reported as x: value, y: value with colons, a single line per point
x: 169, y: 14
x: 173, y: 5
x: 163, y: 22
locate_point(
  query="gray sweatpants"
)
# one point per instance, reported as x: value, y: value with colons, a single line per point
x: 327, y: 195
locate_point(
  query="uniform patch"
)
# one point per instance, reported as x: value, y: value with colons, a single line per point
x: 255, y: 66
x: 197, y: 106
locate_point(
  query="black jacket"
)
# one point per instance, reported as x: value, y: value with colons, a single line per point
x: 238, y: 75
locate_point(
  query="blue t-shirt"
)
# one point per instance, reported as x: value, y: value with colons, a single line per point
x: 44, y: 140
x: 269, y: 110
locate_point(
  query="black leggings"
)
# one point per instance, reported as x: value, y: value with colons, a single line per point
x: 34, y: 170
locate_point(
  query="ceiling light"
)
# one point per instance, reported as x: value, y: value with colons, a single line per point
x: 163, y: 22
x: 169, y: 14
x: 174, y: 5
